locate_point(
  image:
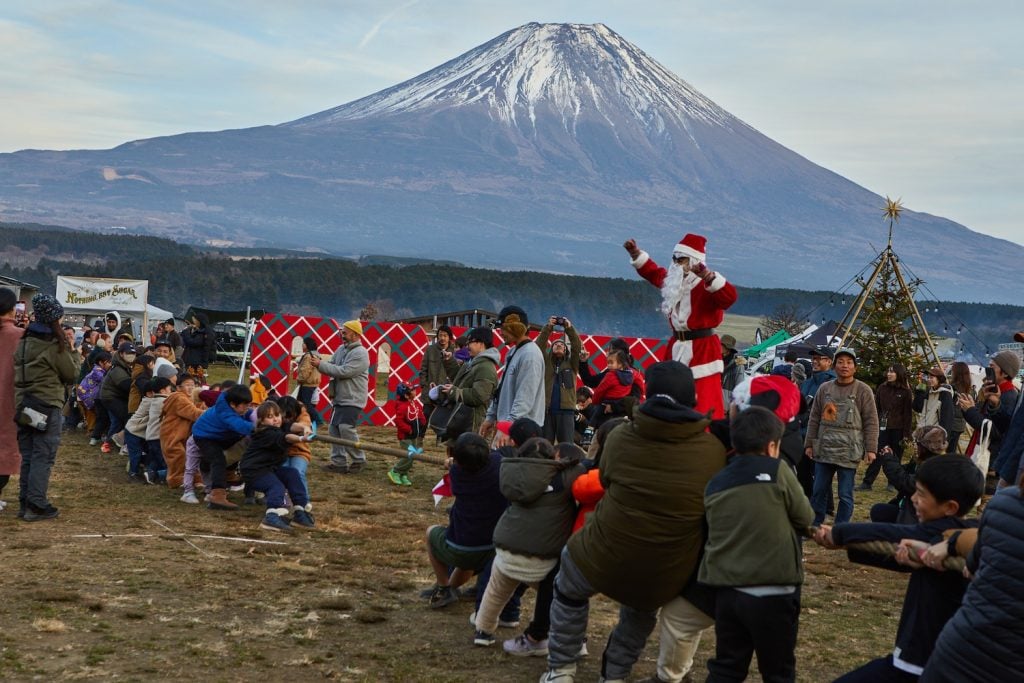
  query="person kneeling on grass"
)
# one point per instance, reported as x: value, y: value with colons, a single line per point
x: 264, y: 468
x: 529, y: 537
x: 948, y: 486
x: 465, y: 543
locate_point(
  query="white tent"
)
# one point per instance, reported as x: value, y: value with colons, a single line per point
x: 98, y: 295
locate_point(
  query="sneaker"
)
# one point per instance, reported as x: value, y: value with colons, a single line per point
x: 503, y: 623
x: 236, y: 487
x: 356, y: 466
x: 336, y: 469
x: 395, y: 477
x: 583, y: 648
x: 123, y: 451
x: 863, y: 487
x: 105, y: 447
x: 118, y: 439
x: 93, y: 442
x: 249, y: 500
x: 483, y: 639
x: 303, y: 519
x: 150, y: 477
x: 427, y: 592
x: 562, y: 674
x: 34, y: 514
x: 3, y: 504
x: 136, y: 478
x: 443, y: 596
x: 468, y: 593
x: 405, y: 480
x: 273, y: 522
x: 189, y: 497
x: 521, y: 646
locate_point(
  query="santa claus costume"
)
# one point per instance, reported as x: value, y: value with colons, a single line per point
x: 695, y: 305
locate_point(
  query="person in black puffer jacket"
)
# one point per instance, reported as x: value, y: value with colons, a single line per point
x: 984, y: 641
x: 200, y: 343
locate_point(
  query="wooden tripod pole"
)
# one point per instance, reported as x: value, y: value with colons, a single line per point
x: 916, y: 317
x: 850, y: 319
x: 383, y: 450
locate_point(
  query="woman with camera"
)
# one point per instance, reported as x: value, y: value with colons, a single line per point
x: 44, y: 363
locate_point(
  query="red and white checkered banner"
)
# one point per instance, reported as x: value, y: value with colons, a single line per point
x: 275, y: 335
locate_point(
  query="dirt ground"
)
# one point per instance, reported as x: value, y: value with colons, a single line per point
x: 143, y: 602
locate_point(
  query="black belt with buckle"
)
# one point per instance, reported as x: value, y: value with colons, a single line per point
x: 690, y: 335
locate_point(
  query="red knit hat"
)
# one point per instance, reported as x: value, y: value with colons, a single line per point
x: 694, y: 246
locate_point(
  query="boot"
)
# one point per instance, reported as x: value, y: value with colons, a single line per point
x: 218, y: 500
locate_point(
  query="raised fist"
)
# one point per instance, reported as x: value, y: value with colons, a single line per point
x: 630, y: 246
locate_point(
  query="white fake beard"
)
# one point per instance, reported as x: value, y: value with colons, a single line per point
x: 672, y: 288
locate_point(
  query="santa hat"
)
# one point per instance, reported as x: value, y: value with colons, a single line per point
x: 694, y: 246
x: 774, y: 392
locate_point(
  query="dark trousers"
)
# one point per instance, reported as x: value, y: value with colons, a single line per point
x: 884, y: 513
x: 38, y: 453
x: 306, y: 398
x: 4, y: 478
x: 893, y: 438
x: 510, y: 612
x: 541, y: 622
x: 559, y: 426
x: 275, y: 484
x: 102, y: 424
x: 154, y: 460
x: 878, y: 671
x: 954, y: 441
x: 118, y: 412
x: 745, y: 625
x: 136, y: 451
x: 212, y: 461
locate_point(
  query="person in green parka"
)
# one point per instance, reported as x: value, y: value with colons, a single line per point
x: 44, y: 365
x: 475, y: 381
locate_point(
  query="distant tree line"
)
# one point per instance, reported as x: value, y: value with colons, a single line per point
x: 180, y: 276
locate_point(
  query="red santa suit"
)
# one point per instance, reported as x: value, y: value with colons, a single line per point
x: 698, y: 308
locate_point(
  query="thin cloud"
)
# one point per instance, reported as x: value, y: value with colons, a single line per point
x: 372, y: 33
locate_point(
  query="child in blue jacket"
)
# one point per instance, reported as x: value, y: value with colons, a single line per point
x: 216, y: 430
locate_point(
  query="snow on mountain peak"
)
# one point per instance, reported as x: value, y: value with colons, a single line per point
x: 570, y: 70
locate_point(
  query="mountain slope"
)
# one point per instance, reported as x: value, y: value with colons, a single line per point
x: 544, y: 148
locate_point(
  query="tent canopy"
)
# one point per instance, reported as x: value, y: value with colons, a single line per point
x: 215, y: 316
x: 774, y: 340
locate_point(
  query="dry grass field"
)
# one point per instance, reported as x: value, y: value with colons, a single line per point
x: 122, y: 587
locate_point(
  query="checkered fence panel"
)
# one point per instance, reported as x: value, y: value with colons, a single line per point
x: 272, y: 344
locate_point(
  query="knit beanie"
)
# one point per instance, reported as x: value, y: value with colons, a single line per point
x: 799, y: 373
x: 483, y: 335
x: 165, y: 369
x: 355, y: 326
x: 933, y: 438
x: 47, y: 309
x: 1008, y: 362
x: 673, y: 379
x: 514, y: 325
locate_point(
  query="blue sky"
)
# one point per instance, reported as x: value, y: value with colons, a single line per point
x: 922, y: 100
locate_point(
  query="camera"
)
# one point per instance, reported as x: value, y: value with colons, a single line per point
x: 32, y: 418
x: 560, y: 320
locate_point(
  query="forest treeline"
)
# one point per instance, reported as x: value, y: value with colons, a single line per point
x: 181, y: 275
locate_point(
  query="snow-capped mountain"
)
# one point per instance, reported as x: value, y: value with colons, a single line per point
x: 543, y: 149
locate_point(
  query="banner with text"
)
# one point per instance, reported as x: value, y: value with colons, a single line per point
x: 102, y: 294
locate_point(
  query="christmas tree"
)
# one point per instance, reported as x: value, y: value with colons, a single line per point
x: 883, y: 324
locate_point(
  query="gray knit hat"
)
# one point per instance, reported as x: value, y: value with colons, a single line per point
x: 47, y: 309
x: 166, y: 370
x: 1008, y: 362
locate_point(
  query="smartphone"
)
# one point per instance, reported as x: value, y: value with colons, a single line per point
x: 699, y: 269
x: 990, y: 375
x: 19, y: 307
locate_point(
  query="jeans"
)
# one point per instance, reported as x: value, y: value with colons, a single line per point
x: 275, y: 484
x: 118, y: 412
x: 299, y: 464
x: 823, y: 473
x: 136, y: 446
x: 38, y: 453
x: 343, y: 426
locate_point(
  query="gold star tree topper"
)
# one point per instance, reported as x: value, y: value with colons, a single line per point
x: 893, y: 207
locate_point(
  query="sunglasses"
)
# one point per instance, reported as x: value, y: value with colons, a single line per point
x: 679, y: 259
